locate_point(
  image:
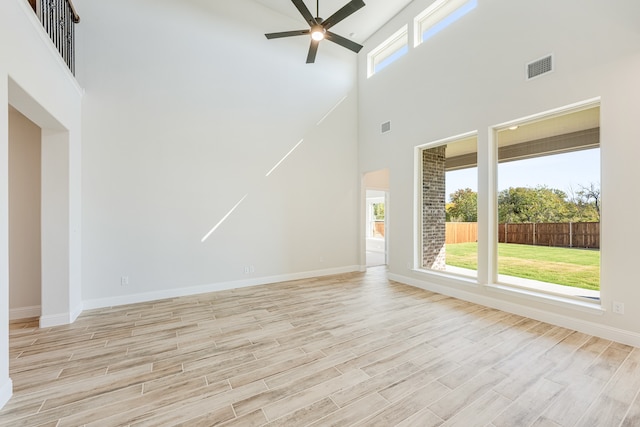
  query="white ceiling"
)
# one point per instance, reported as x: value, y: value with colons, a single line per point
x: 357, y: 27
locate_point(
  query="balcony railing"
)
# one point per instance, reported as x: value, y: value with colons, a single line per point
x: 58, y: 18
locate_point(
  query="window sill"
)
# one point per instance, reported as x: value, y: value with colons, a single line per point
x: 578, y: 304
x: 549, y: 288
x: 449, y: 275
x: 565, y: 301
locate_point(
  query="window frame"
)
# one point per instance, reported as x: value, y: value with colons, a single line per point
x: 439, y: 15
x: 487, y: 273
x: 418, y: 205
x: 392, y: 49
x: 495, y: 279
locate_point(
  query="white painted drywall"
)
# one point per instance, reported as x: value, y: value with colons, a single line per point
x: 471, y: 76
x: 36, y: 82
x: 377, y: 180
x: 5, y: 381
x: 187, y: 108
x: 24, y: 217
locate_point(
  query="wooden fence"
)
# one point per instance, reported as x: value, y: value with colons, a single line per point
x: 378, y: 228
x: 568, y: 235
x: 461, y: 232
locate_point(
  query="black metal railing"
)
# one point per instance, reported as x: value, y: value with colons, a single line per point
x: 58, y: 18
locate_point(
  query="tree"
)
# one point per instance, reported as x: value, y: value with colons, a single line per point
x: 378, y: 211
x: 463, y: 206
x: 539, y: 204
x: 587, y: 194
x: 585, y: 203
x: 526, y: 204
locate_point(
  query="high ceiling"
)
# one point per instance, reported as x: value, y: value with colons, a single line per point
x: 358, y: 27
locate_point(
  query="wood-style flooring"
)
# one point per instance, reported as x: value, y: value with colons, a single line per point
x: 345, y: 350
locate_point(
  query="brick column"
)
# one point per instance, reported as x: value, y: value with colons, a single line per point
x: 433, y: 208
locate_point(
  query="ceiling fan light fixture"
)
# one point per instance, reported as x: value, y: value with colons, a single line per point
x: 317, y: 33
x: 320, y: 28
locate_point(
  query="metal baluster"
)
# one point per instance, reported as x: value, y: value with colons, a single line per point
x: 52, y: 23
x: 58, y: 19
x: 65, y: 32
x: 62, y: 25
x: 46, y: 13
x: 43, y: 14
x: 69, y: 38
x: 72, y: 43
x: 59, y: 15
x: 54, y: 13
x: 59, y: 28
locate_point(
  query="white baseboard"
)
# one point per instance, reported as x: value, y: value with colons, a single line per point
x: 585, y: 326
x: 215, y: 287
x: 61, y: 318
x: 24, y: 312
x: 52, y: 320
x: 6, y: 390
x: 76, y: 312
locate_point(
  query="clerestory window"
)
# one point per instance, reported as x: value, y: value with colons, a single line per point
x: 388, y: 51
x: 439, y: 16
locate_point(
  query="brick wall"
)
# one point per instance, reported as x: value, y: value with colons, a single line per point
x: 433, y: 208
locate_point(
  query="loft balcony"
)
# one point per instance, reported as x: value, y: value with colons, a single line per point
x: 58, y: 18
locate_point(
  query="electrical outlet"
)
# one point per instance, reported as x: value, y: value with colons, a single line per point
x: 252, y: 269
x: 618, y: 307
x: 124, y: 280
x: 247, y: 269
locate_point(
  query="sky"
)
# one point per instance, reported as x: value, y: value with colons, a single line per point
x: 561, y: 171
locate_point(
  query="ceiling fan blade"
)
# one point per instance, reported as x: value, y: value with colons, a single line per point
x: 287, y: 34
x: 313, y: 49
x: 343, y: 42
x: 304, y: 11
x: 348, y: 9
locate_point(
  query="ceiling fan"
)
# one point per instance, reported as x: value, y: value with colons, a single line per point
x: 319, y: 28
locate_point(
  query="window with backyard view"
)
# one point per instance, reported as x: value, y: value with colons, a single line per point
x: 546, y: 205
x: 449, y: 217
x: 549, y: 204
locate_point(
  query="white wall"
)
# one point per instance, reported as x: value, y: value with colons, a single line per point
x: 36, y: 82
x: 470, y: 77
x: 187, y: 108
x: 24, y: 217
x: 5, y: 382
x: 376, y: 180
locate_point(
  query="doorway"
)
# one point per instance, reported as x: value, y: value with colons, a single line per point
x: 375, y: 229
x: 25, y: 260
x: 59, y: 235
x: 376, y: 217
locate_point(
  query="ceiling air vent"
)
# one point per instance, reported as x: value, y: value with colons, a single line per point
x: 386, y: 127
x: 539, y: 67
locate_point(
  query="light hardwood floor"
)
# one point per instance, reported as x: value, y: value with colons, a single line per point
x: 344, y: 350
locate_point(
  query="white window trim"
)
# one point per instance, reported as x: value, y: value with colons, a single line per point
x: 402, y: 33
x: 417, y: 195
x: 492, y: 277
x: 434, y: 14
x: 487, y: 273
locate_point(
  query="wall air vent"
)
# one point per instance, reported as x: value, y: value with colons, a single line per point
x: 386, y: 127
x: 539, y: 67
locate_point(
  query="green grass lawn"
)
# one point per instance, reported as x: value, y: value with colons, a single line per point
x: 579, y: 268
